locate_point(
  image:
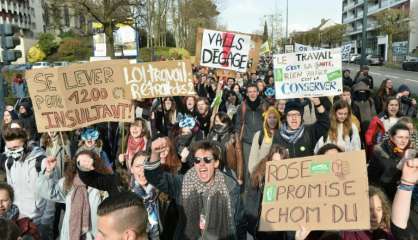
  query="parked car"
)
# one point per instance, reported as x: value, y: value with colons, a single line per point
x: 371, y: 60
x: 60, y: 64
x: 375, y: 60
x: 410, y: 65
x: 40, y: 65
x: 353, y: 58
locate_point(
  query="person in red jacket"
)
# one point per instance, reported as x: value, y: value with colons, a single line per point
x: 381, y: 123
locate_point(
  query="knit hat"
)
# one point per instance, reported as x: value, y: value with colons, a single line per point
x: 403, y: 88
x: 293, y: 105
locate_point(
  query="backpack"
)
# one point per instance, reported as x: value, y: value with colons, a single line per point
x: 38, y: 161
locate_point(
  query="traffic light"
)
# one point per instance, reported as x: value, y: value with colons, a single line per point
x: 8, y: 42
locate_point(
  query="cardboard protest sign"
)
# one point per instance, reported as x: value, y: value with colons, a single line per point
x: 308, y: 74
x: 324, y: 192
x: 253, y: 55
x: 159, y: 79
x: 222, y: 74
x: 79, y: 95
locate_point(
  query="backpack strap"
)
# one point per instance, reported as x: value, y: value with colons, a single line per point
x: 242, y: 119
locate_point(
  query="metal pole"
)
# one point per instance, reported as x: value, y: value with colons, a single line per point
x: 2, y: 90
x: 363, y: 60
x: 138, y: 41
x: 287, y: 19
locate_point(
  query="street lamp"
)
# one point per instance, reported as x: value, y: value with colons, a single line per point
x: 364, y: 36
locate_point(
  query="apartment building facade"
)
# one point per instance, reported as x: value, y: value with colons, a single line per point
x: 352, y: 16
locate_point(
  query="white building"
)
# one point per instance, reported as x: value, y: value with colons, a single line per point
x: 352, y: 16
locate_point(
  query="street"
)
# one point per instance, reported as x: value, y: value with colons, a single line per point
x: 380, y: 73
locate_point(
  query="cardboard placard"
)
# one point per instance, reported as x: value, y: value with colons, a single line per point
x: 308, y: 74
x: 79, y: 95
x: 225, y: 74
x: 254, y: 53
x: 159, y: 79
x: 324, y: 192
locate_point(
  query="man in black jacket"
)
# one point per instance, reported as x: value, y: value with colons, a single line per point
x: 297, y: 137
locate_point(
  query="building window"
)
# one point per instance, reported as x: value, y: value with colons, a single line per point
x: 66, y: 16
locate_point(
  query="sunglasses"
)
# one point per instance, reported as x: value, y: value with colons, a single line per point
x: 197, y: 160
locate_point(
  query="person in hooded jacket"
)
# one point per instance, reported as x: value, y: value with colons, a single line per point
x: 22, y: 164
x: 300, y: 138
x: 363, y: 106
x: 27, y: 119
x: 222, y: 134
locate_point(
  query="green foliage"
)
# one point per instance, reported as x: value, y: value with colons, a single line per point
x: 35, y: 54
x: 179, y: 53
x: 392, y: 22
x: 48, y: 43
x: 163, y: 52
x: 333, y: 35
x: 72, y: 49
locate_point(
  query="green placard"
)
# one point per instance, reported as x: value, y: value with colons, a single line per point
x: 331, y: 76
x: 278, y: 74
x: 270, y: 193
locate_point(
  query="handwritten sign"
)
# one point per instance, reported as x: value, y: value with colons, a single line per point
x: 79, y: 95
x: 159, y: 79
x: 308, y: 74
x: 345, y: 52
x: 225, y: 45
x: 326, y: 192
x: 304, y: 48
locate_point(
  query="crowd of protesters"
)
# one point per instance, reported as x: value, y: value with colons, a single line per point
x: 194, y: 167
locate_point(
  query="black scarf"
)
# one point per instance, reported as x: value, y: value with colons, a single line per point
x: 254, y: 105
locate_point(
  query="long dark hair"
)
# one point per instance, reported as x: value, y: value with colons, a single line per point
x: 382, y: 89
x: 259, y: 173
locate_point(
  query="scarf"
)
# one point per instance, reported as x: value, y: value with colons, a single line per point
x: 18, y: 80
x: 291, y: 136
x: 12, y: 214
x: 80, y: 222
x: 220, y: 133
x: 218, y: 216
x: 134, y: 146
x: 254, y: 105
x: 149, y: 197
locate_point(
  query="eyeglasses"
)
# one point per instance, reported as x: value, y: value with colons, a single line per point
x: 197, y: 160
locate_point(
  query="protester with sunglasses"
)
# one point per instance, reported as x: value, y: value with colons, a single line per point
x: 209, y: 201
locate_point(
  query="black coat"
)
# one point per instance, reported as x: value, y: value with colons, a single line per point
x: 382, y: 169
x: 251, y: 119
x: 306, y: 144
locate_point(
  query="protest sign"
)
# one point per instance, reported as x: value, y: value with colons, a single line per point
x: 345, y: 52
x: 79, y: 95
x: 265, y: 48
x: 308, y: 74
x: 253, y: 55
x: 225, y: 50
x: 304, y: 48
x: 288, y: 48
x: 225, y: 74
x: 324, y: 192
x: 159, y: 79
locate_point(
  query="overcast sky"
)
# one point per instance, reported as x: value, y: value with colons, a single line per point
x: 247, y: 15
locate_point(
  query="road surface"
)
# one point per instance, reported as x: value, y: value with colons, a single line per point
x: 380, y: 73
